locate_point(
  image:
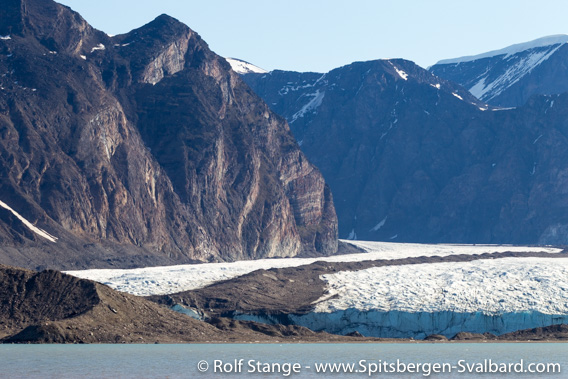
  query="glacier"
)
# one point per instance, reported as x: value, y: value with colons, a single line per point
x: 497, y: 295
x: 163, y: 280
x: 413, y: 301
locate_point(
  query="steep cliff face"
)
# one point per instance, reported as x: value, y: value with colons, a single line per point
x: 142, y: 149
x: 411, y: 157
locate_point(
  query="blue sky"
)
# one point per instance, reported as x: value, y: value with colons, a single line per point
x: 319, y: 35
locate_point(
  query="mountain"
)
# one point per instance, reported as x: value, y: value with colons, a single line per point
x: 411, y: 157
x: 142, y: 149
x: 510, y: 76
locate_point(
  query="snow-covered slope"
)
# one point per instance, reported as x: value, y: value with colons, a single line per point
x: 242, y: 67
x: 29, y: 225
x: 507, y: 77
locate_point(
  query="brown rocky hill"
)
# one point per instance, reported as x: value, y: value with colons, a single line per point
x: 142, y: 149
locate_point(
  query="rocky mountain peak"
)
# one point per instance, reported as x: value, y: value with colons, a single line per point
x: 55, y: 26
x: 164, y: 29
x: 161, y: 48
x: 146, y: 142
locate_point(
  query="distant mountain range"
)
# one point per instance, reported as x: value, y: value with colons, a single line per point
x: 510, y: 76
x: 412, y: 157
x: 142, y: 149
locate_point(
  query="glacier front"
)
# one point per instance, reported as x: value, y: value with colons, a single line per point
x: 413, y: 301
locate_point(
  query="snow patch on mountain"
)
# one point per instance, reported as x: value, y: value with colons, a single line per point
x: 242, y: 67
x: 379, y: 225
x: 310, y: 106
x: 29, y: 225
x: 511, y: 50
x: 400, y: 72
x: 100, y: 46
x: 489, y: 90
x: 458, y: 96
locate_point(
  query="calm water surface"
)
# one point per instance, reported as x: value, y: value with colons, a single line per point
x: 185, y: 361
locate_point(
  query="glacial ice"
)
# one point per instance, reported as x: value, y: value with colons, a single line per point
x: 168, y: 279
x: 418, y: 325
x: 492, y: 295
x: 486, y: 295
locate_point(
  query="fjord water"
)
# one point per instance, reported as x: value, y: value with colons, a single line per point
x: 184, y: 361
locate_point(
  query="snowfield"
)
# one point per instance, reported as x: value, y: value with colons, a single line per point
x: 558, y: 39
x: 170, y: 279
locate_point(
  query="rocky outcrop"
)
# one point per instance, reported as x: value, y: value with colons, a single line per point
x: 411, y: 157
x: 558, y: 332
x: 143, y: 149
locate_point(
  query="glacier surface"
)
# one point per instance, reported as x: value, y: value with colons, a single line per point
x: 169, y: 279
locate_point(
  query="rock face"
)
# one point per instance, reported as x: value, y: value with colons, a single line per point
x: 142, y: 149
x: 510, y: 76
x: 411, y: 157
